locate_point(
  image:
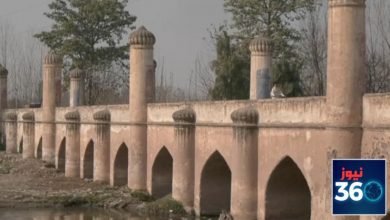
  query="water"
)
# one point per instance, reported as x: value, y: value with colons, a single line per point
x: 68, y: 214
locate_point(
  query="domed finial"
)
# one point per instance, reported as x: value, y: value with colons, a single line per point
x: 76, y: 73
x: 261, y: 44
x: 52, y: 58
x: 3, y: 71
x: 103, y: 115
x: 353, y: 3
x: 248, y: 115
x: 28, y: 116
x: 72, y: 116
x: 186, y: 115
x: 142, y: 38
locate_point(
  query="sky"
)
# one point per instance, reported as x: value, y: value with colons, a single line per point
x: 180, y: 26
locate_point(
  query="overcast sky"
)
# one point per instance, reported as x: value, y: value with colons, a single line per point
x: 180, y: 27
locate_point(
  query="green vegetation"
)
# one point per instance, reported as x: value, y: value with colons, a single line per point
x: 88, y: 33
x: 274, y: 19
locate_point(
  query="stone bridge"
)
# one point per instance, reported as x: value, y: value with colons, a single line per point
x: 259, y: 159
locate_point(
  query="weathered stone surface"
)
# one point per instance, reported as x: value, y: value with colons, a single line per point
x: 11, y: 116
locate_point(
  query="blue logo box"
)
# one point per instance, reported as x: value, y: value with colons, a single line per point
x: 359, y: 187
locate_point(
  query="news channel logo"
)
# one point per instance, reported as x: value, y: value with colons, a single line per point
x: 359, y: 187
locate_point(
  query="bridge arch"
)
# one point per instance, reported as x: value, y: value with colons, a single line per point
x: 121, y: 164
x: 162, y: 173
x: 39, y: 149
x: 88, y: 160
x: 215, y: 185
x: 287, y: 193
x: 61, y: 155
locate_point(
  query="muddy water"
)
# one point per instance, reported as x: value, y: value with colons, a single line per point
x: 67, y: 214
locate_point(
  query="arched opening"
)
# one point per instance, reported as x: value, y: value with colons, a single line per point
x: 162, y: 172
x: 215, y: 186
x: 39, y: 149
x: 287, y: 194
x: 61, y: 156
x: 88, y: 161
x: 120, y: 166
x: 20, y: 147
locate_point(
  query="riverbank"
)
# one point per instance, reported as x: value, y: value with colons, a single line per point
x: 31, y: 183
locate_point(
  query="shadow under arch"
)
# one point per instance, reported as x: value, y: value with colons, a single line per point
x: 162, y: 174
x: 88, y: 161
x: 215, y: 191
x: 121, y: 165
x: 61, y: 156
x: 39, y: 149
x: 20, y: 147
x: 287, y: 193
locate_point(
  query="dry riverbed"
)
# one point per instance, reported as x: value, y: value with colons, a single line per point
x: 31, y: 183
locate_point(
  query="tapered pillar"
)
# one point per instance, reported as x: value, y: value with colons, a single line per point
x: 51, y: 73
x: 3, y: 99
x: 76, y: 91
x: 72, y: 163
x: 184, y: 163
x: 261, y: 61
x: 11, y: 132
x: 142, y: 65
x: 28, y: 135
x: 244, y: 155
x: 346, y: 82
x: 101, y: 171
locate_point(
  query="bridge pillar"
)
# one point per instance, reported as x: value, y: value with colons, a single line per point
x: 51, y: 73
x: 261, y: 64
x: 142, y: 67
x: 28, y: 135
x: 184, y: 162
x: 101, y: 160
x: 11, y: 132
x: 76, y: 91
x: 346, y: 82
x: 244, y: 164
x: 72, y: 163
x: 3, y: 98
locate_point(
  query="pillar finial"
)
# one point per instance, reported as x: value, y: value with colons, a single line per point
x: 3, y: 71
x: 52, y: 58
x: 261, y: 44
x: 186, y: 115
x: 344, y: 3
x: 76, y: 73
x: 142, y: 38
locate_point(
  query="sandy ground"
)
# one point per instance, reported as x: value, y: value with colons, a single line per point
x: 31, y: 182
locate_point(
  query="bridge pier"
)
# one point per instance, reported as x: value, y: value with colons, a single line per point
x: 184, y: 163
x: 101, y: 171
x: 142, y: 67
x: 244, y: 174
x: 28, y: 135
x: 346, y: 79
x: 261, y: 64
x: 11, y: 132
x: 72, y: 163
x: 51, y: 73
x: 76, y: 91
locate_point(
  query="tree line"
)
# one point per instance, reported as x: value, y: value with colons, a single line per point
x: 90, y: 35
